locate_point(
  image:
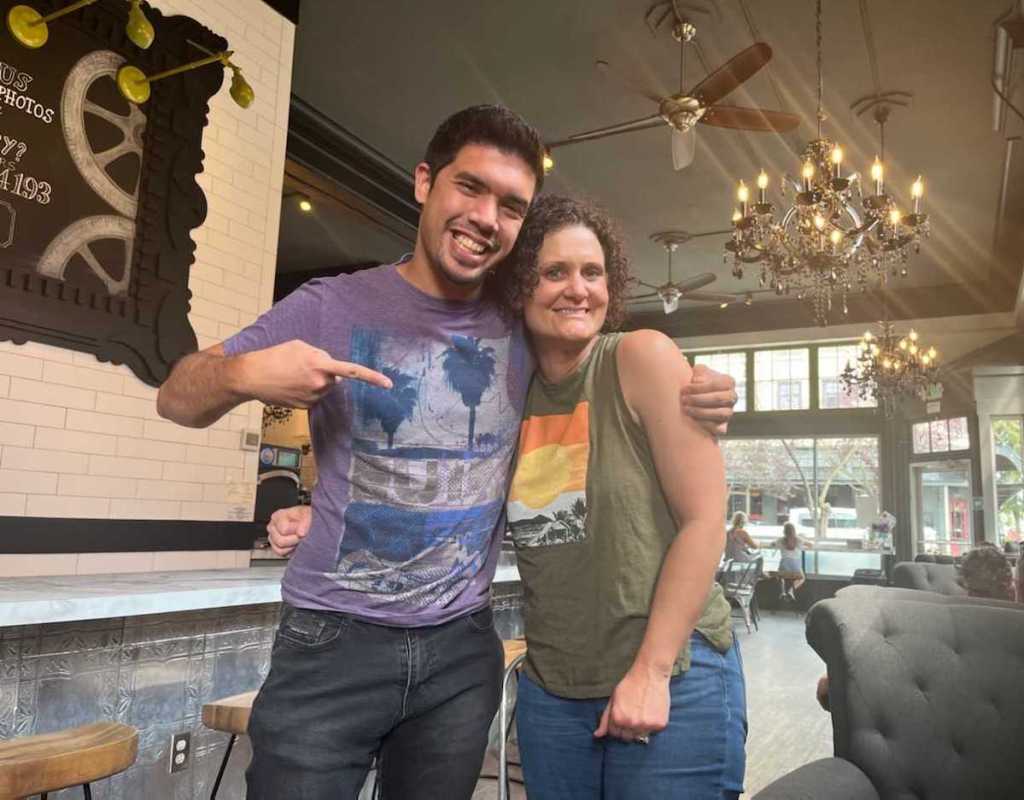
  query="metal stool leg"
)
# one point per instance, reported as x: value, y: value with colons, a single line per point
x: 88, y: 791
x: 223, y: 764
x: 377, y: 792
x: 504, y: 724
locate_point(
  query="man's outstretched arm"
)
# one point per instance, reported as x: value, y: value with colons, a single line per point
x: 204, y: 386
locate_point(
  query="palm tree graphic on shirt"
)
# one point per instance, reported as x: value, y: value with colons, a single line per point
x: 469, y: 370
x: 392, y: 406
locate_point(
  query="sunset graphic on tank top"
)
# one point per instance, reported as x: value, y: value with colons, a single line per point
x: 547, y: 502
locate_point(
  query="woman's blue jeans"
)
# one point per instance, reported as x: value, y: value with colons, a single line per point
x: 699, y: 756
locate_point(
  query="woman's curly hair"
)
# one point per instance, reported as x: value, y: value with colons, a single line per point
x: 516, y: 278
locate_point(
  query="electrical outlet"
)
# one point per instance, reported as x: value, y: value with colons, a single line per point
x: 181, y: 751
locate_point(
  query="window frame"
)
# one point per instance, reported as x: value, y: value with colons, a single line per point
x: 813, y: 380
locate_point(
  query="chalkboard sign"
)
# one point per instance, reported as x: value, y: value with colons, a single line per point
x: 98, y: 196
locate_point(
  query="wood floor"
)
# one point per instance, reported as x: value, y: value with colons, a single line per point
x: 787, y: 726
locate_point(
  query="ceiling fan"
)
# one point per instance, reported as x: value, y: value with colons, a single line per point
x: 682, y: 111
x: 671, y: 292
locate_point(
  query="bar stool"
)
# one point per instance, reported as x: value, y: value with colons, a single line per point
x: 230, y: 715
x: 515, y: 654
x: 47, y: 762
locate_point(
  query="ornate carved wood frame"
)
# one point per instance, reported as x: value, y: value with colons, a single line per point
x: 138, y: 317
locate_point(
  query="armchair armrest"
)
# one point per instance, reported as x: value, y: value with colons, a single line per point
x: 827, y: 778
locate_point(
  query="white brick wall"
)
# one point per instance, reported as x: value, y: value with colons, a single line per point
x: 82, y: 439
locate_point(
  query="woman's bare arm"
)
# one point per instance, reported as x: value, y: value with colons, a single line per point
x: 692, y: 476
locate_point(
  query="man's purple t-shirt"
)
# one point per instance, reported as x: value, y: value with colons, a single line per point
x: 408, y: 512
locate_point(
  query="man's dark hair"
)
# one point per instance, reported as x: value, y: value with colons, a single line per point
x: 496, y: 126
x: 986, y: 572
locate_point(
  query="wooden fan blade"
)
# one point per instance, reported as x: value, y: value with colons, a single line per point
x: 710, y: 297
x: 648, y: 285
x: 696, y: 282
x: 651, y: 121
x: 750, y: 119
x: 731, y: 74
x: 650, y: 296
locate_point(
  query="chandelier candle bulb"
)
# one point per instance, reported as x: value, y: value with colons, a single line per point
x: 835, y: 237
x: 808, y: 173
x: 762, y: 186
x: 743, y: 195
x: 837, y: 160
x: 916, y: 191
x: 877, y: 173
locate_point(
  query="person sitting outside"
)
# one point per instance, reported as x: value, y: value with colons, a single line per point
x: 739, y: 543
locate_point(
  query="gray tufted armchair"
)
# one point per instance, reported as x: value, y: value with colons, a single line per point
x: 925, y: 696
x: 939, y: 578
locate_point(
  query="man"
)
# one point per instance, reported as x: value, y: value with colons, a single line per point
x: 386, y: 641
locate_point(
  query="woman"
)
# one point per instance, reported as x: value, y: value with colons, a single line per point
x: 633, y: 686
x: 791, y: 563
x: 739, y: 543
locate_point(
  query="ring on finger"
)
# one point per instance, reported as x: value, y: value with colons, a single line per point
x: 643, y: 739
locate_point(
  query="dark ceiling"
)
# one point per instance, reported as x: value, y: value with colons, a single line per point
x: 389, y: 72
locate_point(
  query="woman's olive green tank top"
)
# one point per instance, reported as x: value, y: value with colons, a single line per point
x: 592, y: 528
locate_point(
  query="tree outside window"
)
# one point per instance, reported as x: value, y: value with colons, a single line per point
x: 1007, y: 436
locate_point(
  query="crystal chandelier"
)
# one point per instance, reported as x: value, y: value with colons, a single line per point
x: 837, y: 237
x: 890, y: 367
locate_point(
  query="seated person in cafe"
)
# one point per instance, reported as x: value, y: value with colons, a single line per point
x: 986, y: 572
x: 791, y: 569
x: 739, y: 543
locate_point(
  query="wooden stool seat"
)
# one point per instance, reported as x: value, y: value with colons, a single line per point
x: 513, y: 649
x: 45, y: 763
x: 230, y: 714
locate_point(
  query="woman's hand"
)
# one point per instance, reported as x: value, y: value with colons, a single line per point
x: 638, y: 707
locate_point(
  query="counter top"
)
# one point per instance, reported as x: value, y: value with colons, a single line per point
x: 67, y: 598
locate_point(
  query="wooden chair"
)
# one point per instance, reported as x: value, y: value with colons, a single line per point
x: 47, y: 762
x: 231, y: 715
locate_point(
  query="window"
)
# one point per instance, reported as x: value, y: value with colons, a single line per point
x: 827, y: 487
x: 781, y: 379
x: 732, y: 364
x: 832, y: 360
x: 940, y: 436
x: 1007, y: 436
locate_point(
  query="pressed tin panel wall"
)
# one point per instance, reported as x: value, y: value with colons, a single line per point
x: 152, y: 672
x: 79, y: 438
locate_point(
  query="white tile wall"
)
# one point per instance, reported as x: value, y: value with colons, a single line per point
x: 82, y: 439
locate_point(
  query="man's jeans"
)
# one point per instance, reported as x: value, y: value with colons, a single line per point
x: 340, y: 690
